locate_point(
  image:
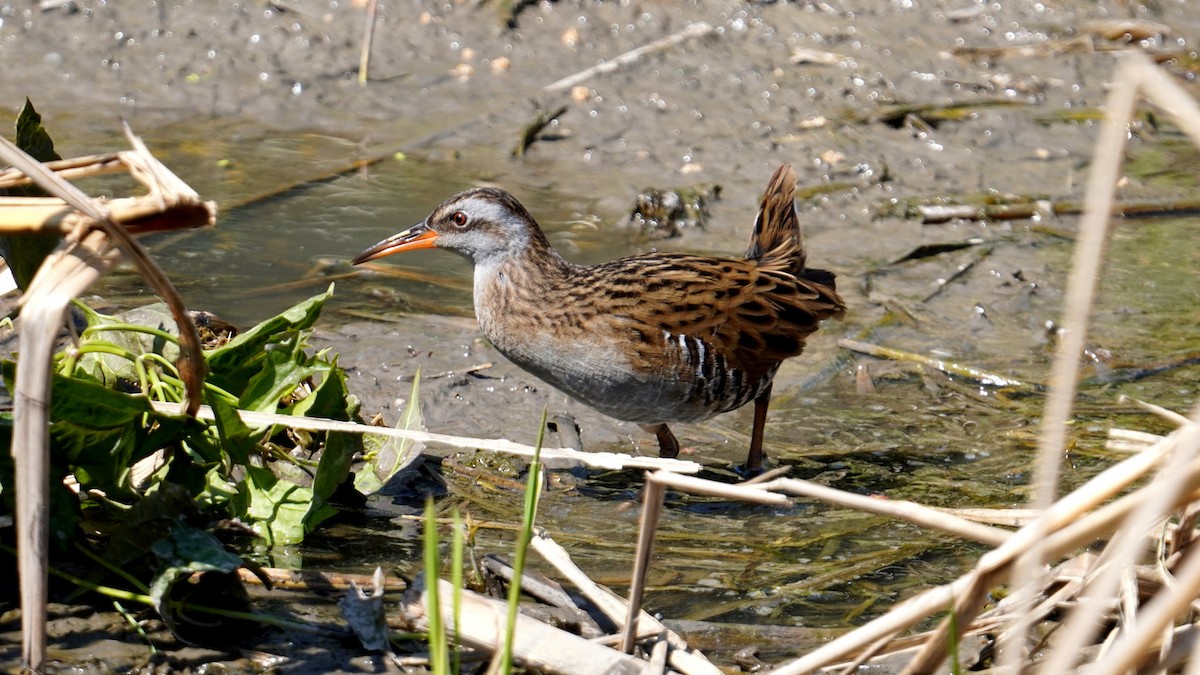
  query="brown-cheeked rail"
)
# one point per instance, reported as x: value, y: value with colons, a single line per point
x: 653, y: 338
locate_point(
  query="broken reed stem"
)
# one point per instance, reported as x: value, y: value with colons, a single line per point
x: 71, y: 168
x: 88, y: 250
x: 1070, y: 530
x: 904, y: 510
x: 652, y: 504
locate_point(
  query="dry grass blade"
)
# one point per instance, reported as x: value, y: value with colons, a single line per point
x: 599, y: 460
x: 910, y: 511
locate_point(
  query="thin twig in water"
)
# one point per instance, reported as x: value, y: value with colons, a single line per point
x: 695, y: 30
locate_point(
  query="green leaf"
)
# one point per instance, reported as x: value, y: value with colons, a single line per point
x: 277, y: 509
x: 233, y: 432
x: 234, y: 364
x: 331, y: 400
x: 94, y: 405
x: 387, y: 455
x: 196, y: 569
x: 25, y: 253
x: 32, y: 137
x: 283, y: 370
x: 110, y: 368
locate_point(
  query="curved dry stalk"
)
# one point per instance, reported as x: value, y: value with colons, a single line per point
x: 1134, y: 74
x: 72, y: 268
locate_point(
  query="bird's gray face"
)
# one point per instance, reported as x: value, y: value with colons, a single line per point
x: 483, y: 224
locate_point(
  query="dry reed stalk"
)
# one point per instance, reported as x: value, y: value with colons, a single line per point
x: 1122, y: 552
x: 1076, y: 520
x: 1077, y: 307
x: 1134, y: 74
x: 681, y: 657
x: 652, y: 506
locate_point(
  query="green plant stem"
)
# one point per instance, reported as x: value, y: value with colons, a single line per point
x: 533, y: 491
x: 439, y: 661
x: 456, y: 581
x: 129, y: 327
x: 133, y: 581
x: 137, y: 628
x: 130, y: 596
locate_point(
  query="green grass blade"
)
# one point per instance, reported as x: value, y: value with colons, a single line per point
x: 533, y: 491
x: 456, y: 580
x: 439, y: 661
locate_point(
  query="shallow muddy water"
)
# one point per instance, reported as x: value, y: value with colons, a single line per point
x: 264, y: 126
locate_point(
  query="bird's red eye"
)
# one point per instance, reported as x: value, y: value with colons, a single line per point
x: 459, y: 218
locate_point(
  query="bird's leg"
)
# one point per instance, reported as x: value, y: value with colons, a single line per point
x: 755, y: 458
x: 668, y: 445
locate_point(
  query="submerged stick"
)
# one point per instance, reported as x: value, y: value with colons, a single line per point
x: 947, y: 367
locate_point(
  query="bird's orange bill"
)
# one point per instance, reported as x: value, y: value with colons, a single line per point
x: 415, y: 237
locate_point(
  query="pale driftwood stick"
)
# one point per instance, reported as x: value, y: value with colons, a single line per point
x: 658, y: 656
x: 1077, y: 306
x: 681, y: 657
x: 536, y: 645
x: 70, y: 270
x: 695, y: 30
x: 652, y: 504
x: 600, y: 460
x: 905, y: 510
